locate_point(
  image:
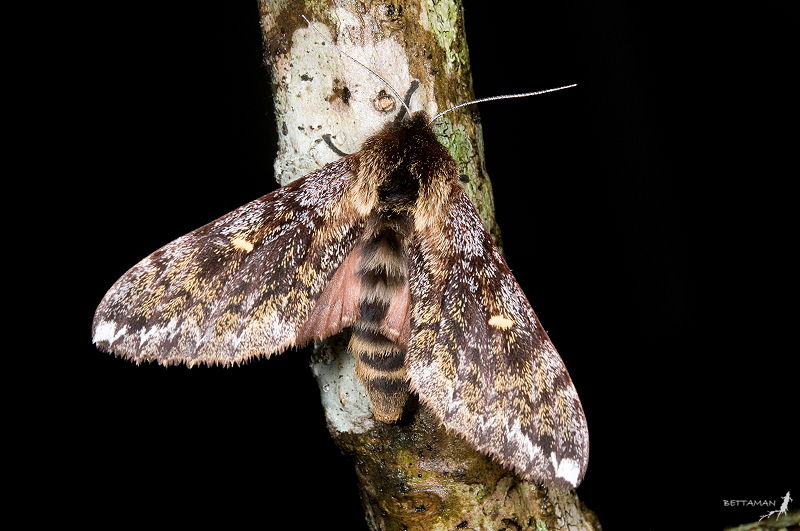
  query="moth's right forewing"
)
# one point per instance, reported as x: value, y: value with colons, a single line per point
x: 243, y: 285
x: 479, y: 358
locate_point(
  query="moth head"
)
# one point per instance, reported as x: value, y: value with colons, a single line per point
x: 408, y: 146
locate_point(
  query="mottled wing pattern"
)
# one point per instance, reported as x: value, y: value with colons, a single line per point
x: 479, y: 358
x: 245, y: 284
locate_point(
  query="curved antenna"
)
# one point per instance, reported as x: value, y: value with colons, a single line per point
x: 509, y: 96
x: 396, y: 95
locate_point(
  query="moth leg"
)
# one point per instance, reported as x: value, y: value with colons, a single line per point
x: 328, y: 140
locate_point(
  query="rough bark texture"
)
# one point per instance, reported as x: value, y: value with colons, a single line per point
x: 779, y: 522
x: 413, y: 474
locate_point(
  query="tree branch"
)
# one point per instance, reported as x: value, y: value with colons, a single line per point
x: 413, y: 475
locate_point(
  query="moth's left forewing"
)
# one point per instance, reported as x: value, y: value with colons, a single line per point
x: 246, y: 284
x: 480, y: 359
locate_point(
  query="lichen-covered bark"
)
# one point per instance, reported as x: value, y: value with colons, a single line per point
x: 413, y: 475
x: 776, y: 522
x: 319, y: 91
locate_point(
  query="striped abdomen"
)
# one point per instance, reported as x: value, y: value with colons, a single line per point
x: 380, y: 335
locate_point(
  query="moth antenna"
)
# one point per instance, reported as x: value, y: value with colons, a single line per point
x: 365, y: 67
x: 506, y: 97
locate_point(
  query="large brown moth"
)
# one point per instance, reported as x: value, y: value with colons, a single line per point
x: 384, y: 241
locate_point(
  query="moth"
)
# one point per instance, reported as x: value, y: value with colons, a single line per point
x: 384, y: 241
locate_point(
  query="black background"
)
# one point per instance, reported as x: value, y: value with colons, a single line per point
x: 646, y: 213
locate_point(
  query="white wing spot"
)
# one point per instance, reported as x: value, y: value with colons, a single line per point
x: 498, y: 321
x: 105, y: 331
x: 568, y: 469
x: 243, y: 245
